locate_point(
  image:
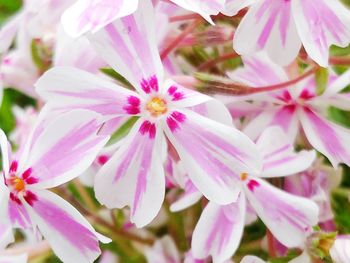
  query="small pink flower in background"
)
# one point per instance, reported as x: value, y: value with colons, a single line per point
x: 213, y: 152
x: 164, y: 250
x: 289, y: 218
x: 340, y: 251
x: 53, y: 154
x: 25, y: 120
x: 316, y: 184
x: 298, y: 105
x: 281, y: 27
x: 32, y: 21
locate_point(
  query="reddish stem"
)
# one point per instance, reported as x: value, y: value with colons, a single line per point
x: 339, y: 60
x: 183, y: 17
x: 236, y: 89
x: 270, y: 244
x: 210, y: 63
x: 179, y: 38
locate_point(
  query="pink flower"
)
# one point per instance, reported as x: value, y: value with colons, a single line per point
x: 164, y: 250
x: 55, y: 153
x: 297, y: 105
x: 281, y: 27
x: 289, y: 218
x: 214, y: 152
x: 316, y: 184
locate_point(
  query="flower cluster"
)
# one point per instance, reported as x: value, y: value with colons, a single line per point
x: 175, y: 131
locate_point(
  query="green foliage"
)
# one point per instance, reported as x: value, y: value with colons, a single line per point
x: 122, y: 131
x: 7, y: 8
x: 11, y: 98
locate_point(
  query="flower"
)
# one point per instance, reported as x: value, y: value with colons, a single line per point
x: 281, y: 27
x: 289, y: 218
x: 134, y: 176
x: 56, y: 151
x: 297, y: 105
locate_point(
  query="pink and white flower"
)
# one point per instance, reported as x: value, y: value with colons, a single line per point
x: 298, y: 105
x: 55, y: 153
x: 164, y: 250
x: 214, y: 152
x: 289, y: 218
x: 281, y: 27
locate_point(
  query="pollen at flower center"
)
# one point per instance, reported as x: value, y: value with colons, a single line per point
x: 243, y: 176
x: 157, y: 106
x: 18, y: 184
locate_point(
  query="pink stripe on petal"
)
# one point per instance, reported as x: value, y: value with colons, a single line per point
x: 78, y: 235
x: 290, y: 218
x: 328, y: 138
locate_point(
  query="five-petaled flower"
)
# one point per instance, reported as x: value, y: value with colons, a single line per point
x: 57, y: 151
x: 134, y: 176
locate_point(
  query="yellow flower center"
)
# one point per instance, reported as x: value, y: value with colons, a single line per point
x: 18, y: 184
x: 157, y: 106
x: 243, y: 176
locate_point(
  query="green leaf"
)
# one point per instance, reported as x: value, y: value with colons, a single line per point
x: 115, y: 75
x: 122, y: 131
x: 321, y: 80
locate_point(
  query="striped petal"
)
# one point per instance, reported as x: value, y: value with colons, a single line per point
x: 66, y: 88
x: 90, y: 15
x: 69, y: 234
x: 64, y: 149
x: 129, y: 45
x: 321, y: 24
x: 326, y: 137
x: 219, y: 230
x: 284, y: 117
x: 134, y: 175
x: 289, y: 218
x: 268, y: 26
x: 213, y: 154
x: 280, y: 159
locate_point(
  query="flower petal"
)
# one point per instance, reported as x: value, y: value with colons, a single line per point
x: 284, y: 117
x: 6, y: 235
x: 134, y: 175
x: 23, y: 258
x: 204, y: 8
x: 289, y: 218
x: 326, y: 137
x: 69, y: 88
x: 213, y: 154
x: 129, y: 45
x: 269, y: 26
x: 340, y: 251
x: 252, y: 259
x: 219, y: 230
x: 91, y: 15
x: 70, y: 235
x: 4, y: 145
x: 9, y: 31
x: 280, y: 159
x: 321, y: 24
x: 65, y: 148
